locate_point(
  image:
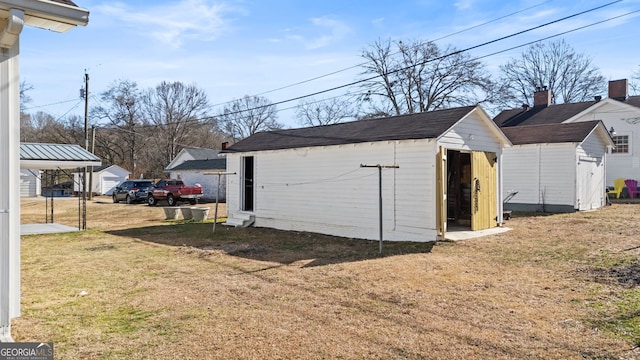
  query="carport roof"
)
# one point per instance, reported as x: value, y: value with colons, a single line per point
x: 55, y: 156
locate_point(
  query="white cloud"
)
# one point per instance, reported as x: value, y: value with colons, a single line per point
x: 174, y: 23
x: 463, y: 4
x: 337, y: 31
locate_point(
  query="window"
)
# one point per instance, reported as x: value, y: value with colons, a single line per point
x: 621, y: 144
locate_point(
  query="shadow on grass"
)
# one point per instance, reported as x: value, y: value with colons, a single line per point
x: 264, y: 244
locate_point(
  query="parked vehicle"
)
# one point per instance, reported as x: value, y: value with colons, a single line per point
x: 132, y: 191
x: 174, y: 190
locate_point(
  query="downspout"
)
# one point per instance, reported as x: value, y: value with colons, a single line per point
x: 10, y: 175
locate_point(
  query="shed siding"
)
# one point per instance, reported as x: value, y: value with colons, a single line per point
x: 543, y: 174
x: 591, y: 173
x: 471, y: 133
x: 209, y: 183
x: 324, y: 189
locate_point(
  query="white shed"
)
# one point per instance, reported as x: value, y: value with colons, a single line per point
x: 30, y: 182
x: 200, y: 172
x: 556, y: 167
x: 311, y: 179
x: 105, y: 179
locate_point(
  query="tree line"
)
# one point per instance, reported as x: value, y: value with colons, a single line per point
x: 142, y: 130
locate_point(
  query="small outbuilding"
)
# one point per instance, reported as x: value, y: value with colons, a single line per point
x: 430, y: 170
x: 105, y: 179
x: 556, y: 167
x: 201, y: 172
x: 30, y: 182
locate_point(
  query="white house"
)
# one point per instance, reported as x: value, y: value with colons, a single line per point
x: 55, y: 15
x: 313, y: 179
x: 556, y: 167
x: 619, y: 113
x: 202, y: 172
x: 105, y: 179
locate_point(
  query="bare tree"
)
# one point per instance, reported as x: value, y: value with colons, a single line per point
x: 325, y: 112
x: 419, y: 76
x: 635, y: 82
x: 175, y: 111
x: 121, y: 107
x: 246, y: 116
x: 570, y: 76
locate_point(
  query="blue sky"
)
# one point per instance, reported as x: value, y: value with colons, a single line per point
x: 233, y: 48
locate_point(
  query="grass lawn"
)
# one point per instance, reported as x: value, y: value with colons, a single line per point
x: 136, y: 286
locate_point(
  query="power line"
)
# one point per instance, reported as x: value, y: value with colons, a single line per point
x: 364, y: 63
x: 451, y: 54
x: 426, y: 61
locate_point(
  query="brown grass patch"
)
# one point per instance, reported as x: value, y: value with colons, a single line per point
x: 172, y: 289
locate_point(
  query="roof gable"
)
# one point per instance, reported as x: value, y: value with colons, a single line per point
x: 552, y: 133
x: 423, y: 125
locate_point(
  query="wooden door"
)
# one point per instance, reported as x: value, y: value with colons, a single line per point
x: 483, y: 190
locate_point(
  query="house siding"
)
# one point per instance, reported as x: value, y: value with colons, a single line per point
x: 625, y: 120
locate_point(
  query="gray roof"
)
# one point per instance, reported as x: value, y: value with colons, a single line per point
x: 202, y: 154
x: 52, y: 156
x: 59, y: 152
x: 550, y: 133
x: 210, y: 164
x: 423, y: 125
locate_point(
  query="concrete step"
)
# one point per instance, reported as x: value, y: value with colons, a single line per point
x: 239, y: 220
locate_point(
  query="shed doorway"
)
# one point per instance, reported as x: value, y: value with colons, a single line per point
x: 247, y: 189
x: 458, y: 190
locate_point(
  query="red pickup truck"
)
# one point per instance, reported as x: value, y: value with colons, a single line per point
x: 174, y: 190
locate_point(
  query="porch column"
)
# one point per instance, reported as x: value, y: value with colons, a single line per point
x: 10, y: 29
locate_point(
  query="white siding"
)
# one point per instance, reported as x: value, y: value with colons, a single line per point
x: 324, y: 189
x: 209, y: 183
x: 542, y: 174
x: 30, y: 184
x: 471, y: 133
x: 591, y: 156
x: 625, y: 120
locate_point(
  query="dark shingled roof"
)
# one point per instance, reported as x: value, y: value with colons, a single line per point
x: 423, y: 125
x: 550, y: 133
x: 552, y: 114
x: 210, y: 164
x: 538, y: 115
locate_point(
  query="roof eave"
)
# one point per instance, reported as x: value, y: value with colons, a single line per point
x: 47, y: 14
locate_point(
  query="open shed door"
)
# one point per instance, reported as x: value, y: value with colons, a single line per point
x: 441, y: 193
x: 484, y: 205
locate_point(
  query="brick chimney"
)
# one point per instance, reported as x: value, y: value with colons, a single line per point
x: 542, y: 96
x: 619, y: 89
x: 225, y: 145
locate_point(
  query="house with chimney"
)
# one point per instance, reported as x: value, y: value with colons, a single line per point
x: 615, y: 152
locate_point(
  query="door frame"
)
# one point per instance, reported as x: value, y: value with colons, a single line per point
x: 247, y: 188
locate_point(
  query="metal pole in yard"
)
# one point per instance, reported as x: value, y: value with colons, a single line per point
x: 215, y: 212
x: 380, y: 167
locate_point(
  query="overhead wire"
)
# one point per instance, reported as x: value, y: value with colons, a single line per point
x: 364, y: 63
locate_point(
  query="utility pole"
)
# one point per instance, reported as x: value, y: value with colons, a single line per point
x: 86, y: 147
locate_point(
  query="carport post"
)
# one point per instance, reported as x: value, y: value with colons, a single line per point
x: 380, y: 167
